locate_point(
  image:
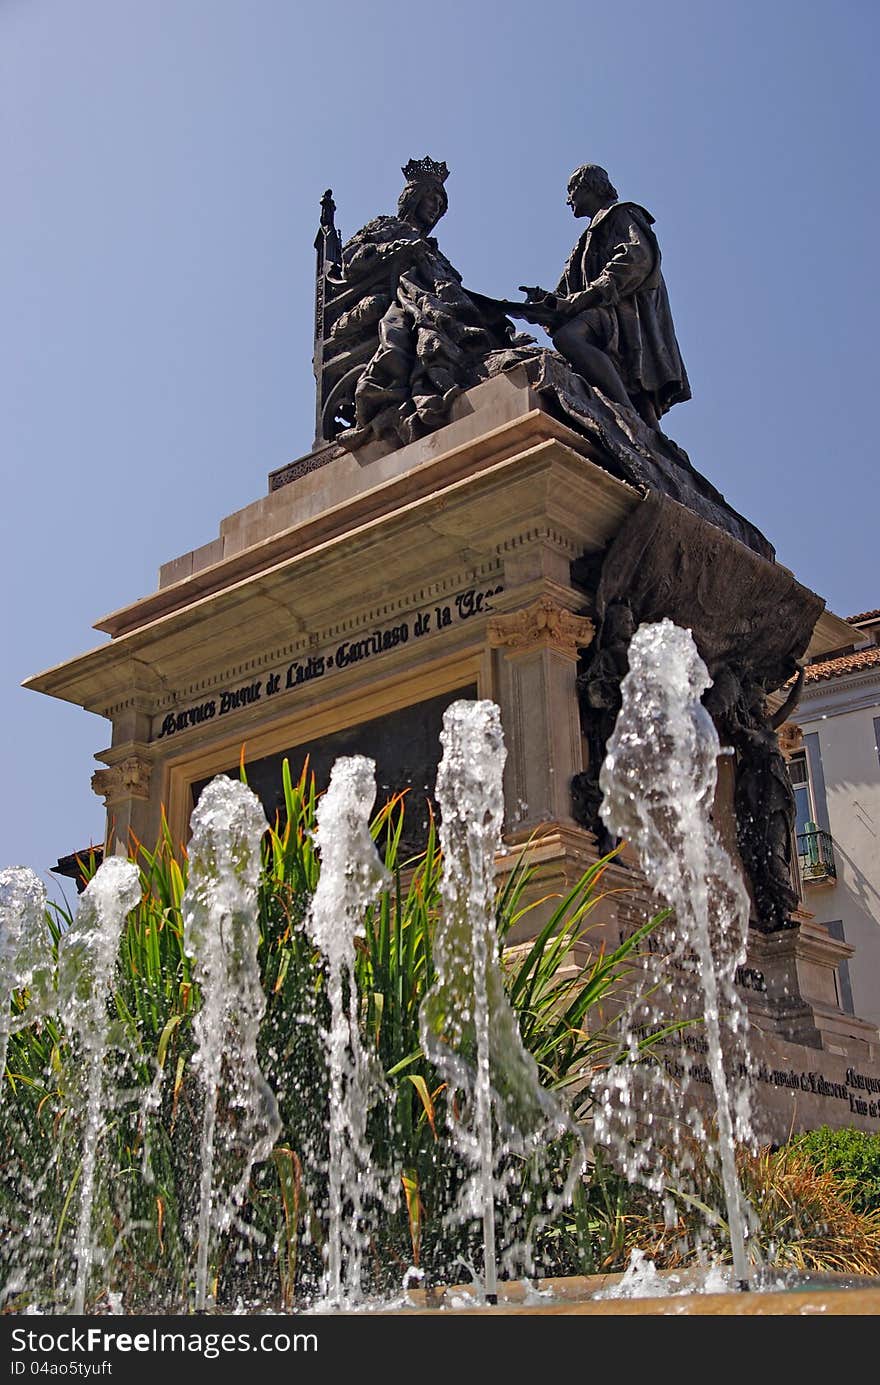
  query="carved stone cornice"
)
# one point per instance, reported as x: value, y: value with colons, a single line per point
x: 545, y: 624
x: 129, y: 779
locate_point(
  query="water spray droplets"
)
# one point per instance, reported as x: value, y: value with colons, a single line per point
x: 352, y: 877
x: 222, y: 936
x: 658, y: 783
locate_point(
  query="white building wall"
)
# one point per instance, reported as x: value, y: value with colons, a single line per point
x: 842, y: 712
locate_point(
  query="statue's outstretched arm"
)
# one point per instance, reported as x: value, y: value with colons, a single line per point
x: 788, y: 706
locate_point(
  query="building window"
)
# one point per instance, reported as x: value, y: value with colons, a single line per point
x: 841, y: 976
x: 799, y: 775
x: 814, y: 846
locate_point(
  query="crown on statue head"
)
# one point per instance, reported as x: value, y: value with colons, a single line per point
x: 420, y: 170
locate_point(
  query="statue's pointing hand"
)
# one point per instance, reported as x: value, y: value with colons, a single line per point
x: 541, y: 306
x: 553, y: 309
x: 538, y: 295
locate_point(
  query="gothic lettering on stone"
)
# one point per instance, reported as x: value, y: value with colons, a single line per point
x: 349, y: 653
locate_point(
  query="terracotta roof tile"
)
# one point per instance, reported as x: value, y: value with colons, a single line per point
x: 864, y: 615
x: 845, y: 663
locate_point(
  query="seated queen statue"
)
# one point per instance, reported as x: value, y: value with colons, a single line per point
x: 402, y: 338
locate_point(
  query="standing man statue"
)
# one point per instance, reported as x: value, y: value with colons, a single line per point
x: 609, y: 314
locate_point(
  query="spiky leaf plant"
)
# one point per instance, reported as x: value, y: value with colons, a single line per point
x: 145, y: 1211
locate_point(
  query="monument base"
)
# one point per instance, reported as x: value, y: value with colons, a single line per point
x: 344, y: 610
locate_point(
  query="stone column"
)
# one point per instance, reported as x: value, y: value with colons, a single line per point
x: 126, y: 783
x: 536, y: 678
x: 125, y: 788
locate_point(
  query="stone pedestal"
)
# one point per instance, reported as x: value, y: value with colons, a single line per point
x: 363, y: 593
x: 359, y: 589
x: 800, y: 1001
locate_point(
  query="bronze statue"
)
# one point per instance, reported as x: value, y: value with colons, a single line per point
x: 763, y: 797
x: 599, y: 700
x: 398, y: 337
x: 609, y: 314
x: 402, y: 338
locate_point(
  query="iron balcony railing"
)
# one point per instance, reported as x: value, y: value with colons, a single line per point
x: 816, y: 854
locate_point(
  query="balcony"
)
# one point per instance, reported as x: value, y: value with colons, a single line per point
x: 816, y: 855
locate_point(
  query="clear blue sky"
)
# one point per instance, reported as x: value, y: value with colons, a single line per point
x: 161, y: 163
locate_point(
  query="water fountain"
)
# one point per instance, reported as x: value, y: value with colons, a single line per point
x: 221, y: 934
x: 25, y: 952
x: 86, y: 966
x: 469, y: 1030
x: 658, y: 781
x: 352, y: 876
